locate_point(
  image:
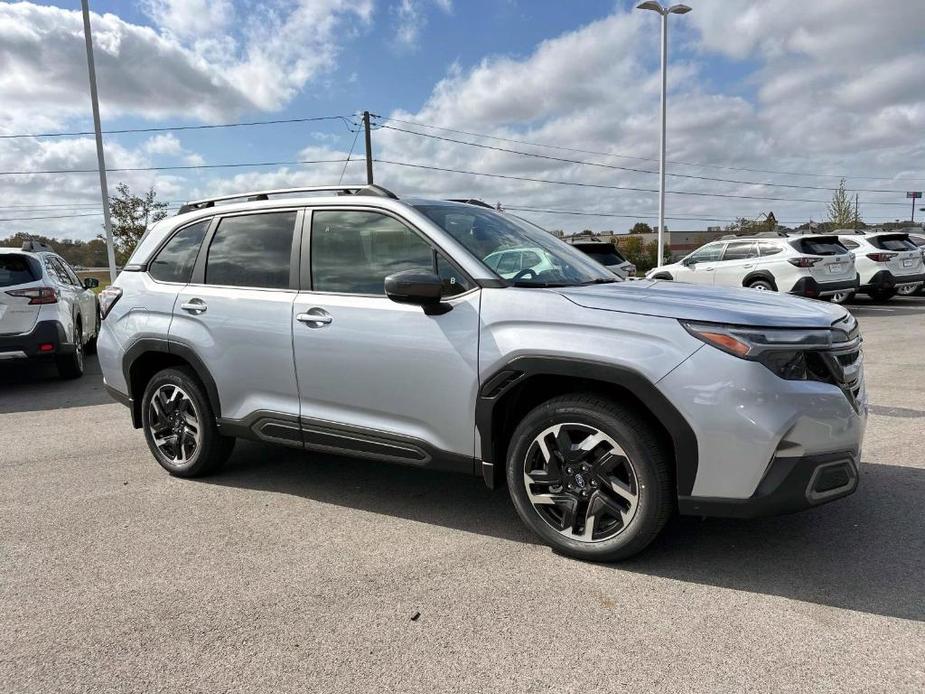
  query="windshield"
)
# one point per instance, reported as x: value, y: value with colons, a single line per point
x: 516, y: 250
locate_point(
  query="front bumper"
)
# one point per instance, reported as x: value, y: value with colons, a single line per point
x: 810, y: 288
x: 26, y: 345
x: 748, y: 422
x: 885, y: 281
x: 790, y: 484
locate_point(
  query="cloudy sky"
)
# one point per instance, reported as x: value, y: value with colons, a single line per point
x: 770, y: 103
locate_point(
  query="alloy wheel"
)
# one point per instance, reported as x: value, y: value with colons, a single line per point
x: 581, y: 482
x: 907, y: 290
x: 173, y: 421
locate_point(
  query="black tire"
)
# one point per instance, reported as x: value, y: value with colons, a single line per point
x: 645, y: 453
x: 90, y: 347
x: 210, y: 451
x: 71, y: 366
x: 882, y: 295
x: 762, y: 285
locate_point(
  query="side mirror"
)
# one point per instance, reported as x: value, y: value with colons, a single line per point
x: 418, y: 287
x: 91, y: 283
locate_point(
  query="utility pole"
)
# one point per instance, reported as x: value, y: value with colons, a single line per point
x: 855, y: 213
x: 369, y: 149
x: 101, y: 160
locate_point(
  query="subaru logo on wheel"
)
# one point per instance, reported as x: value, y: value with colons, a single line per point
x: 579, y: 480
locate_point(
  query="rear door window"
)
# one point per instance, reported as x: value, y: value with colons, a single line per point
x: 253, y: 250
x: 176, y: 259
x: 740, y: 250
x: 56, y: 270
x: 15, y: 269
x: 769, y: 249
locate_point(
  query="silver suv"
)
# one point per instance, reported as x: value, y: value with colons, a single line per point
x: 356, y: 322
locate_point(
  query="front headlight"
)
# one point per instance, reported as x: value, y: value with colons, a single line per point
x: 794, y: 354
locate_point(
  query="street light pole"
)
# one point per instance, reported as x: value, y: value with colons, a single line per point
x: 101, y: 160
x: 664, y: 12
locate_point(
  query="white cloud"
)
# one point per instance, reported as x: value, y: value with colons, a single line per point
x: 191, y: 18
x: 165, y: 143
x: 410, y: 20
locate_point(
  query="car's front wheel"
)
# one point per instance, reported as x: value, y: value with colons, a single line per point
x: 590, y: 477
x: 179, y: 425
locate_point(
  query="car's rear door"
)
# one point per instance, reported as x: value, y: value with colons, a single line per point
x: 738, y: 259
x: 235, y: 314
x: 379, y: 378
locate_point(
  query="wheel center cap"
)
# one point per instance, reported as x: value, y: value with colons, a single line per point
x: 580, y: 481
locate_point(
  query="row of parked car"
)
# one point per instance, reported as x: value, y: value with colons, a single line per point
x: 835, y: 266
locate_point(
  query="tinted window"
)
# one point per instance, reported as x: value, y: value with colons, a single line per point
x: 454, y: 282
x: 510, y: 262
x: 707, y: 253
x: 740, y: 250
x: 353, y: 252
x: 893, y: 243
x: 849, y: 244
x: 15, y: 269
x: 769, y: 248
x: 56, y: 270
x: 252, y: 251
x: 820, y: 246
x: 917, y: 240
x: 604, y: 253
x: 175, y: 261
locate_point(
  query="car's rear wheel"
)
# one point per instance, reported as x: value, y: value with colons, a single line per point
x: 590, y: 477
x: 881, y: 295
x: 72, y: 365
x: 180, y: 426
x: 907, y: 290
x: 761, y: 285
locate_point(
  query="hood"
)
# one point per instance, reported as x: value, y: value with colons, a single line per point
x: 708, y: 304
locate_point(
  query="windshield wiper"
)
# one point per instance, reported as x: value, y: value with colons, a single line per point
x: 601, y: 280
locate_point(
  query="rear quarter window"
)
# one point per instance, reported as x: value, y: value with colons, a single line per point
x: 17, y: 269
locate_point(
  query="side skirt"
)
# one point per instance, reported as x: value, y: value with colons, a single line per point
x: 340, y: 439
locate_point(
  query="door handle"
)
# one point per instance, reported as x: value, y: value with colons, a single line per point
x: 195, y: 306
x: 748, y: 266
x: 315, y: 318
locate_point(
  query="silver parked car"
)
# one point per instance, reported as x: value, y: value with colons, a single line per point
x: 347, y: 320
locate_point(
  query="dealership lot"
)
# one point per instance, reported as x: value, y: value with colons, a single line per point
x: 289, y: 571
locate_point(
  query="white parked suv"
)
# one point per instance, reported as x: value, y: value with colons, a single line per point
x: 810, y: 266
x: 46, y: 312
x: 888, y: 263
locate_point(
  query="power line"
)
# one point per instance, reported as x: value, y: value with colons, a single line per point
x: 602, y: 186
x: 167, y: 128
x: 652, y: 159
x: 630, y: 169
x: 178, y: 167
x: 59, y: 216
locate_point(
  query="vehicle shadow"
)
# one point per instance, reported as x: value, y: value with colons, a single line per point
x: 29, y: 386
x: 864, y: 553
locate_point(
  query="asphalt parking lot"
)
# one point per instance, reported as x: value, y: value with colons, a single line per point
x: 289, y: 572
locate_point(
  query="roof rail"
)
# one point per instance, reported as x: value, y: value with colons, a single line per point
x: 472, y: 201
x: 373, y: 190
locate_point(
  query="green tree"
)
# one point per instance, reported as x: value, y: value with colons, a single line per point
x: 131, y: 216
x: 842, y: 211
x: 641, y: 228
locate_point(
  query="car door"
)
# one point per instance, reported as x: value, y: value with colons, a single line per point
x: 235, y: 316
x: 738, y: 259
x: 700, y: 266
x: 379, y: 378
x: 85, y: 298
x: 68, y: 293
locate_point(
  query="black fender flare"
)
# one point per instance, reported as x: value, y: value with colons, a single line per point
x: 520, y: 369
x: 147, y: 345
x: 760, y: 275
x: 662, y: 276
